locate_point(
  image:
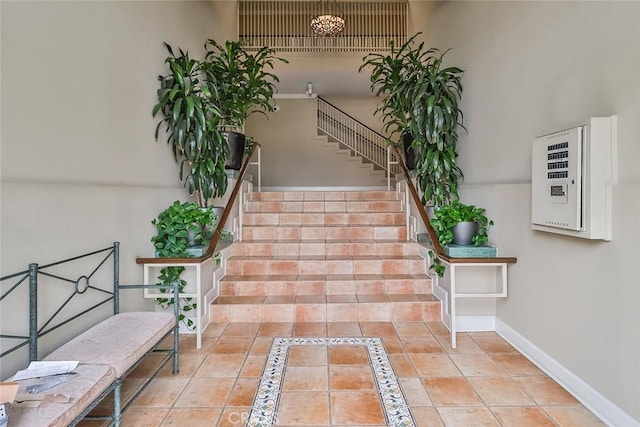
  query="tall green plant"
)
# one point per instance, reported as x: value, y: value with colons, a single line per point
x: 240, y: 81
x: 435, y: 120
x: 191, y: 116
x: 389, y: 80
x: 420, y: 97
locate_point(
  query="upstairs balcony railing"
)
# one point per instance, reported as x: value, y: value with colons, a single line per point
x: 284, y: 26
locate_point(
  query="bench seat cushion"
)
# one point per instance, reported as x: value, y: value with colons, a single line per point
x: 119, y: 341
x: 83, y: 388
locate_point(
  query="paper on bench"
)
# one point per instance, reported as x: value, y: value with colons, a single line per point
x: 45, y: 368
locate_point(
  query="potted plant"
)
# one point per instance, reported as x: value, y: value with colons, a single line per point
x: 461, y: 224
x: 458, y: 224
x: 191, y: 116
x: 420, y: 101
x: 241, y: 84
x: 179, y: 227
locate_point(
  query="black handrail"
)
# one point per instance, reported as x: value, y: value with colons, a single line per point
x: 353, y: 118
x: 337, y: 122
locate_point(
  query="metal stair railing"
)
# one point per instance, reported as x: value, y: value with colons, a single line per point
x: 357, y: 137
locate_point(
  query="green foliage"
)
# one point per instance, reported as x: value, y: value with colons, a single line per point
x: 436, y: 265
x: 191, y: 116
x: 447, y: 216
x: 178, y: 227
x: 420, y: 97
x: 240, y: 82
x: 197, y: 99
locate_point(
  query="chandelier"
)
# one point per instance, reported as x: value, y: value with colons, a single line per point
x: 327, y: 21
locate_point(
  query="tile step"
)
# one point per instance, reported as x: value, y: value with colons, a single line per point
x: 324, y: 247
x: 290, y: 265
x: 331, y: 308
x: 339, y: 284
x: 363, y: 206
x: 327, y: 232
x: 323, y: 195
x: 324, y: 218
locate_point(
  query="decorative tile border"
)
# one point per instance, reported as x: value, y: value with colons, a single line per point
x: 265, y: 403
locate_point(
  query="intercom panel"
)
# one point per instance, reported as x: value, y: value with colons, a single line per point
x: 572, y: 174
x: 557, y: 179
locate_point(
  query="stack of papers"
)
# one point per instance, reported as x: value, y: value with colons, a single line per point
x: 41, y: 369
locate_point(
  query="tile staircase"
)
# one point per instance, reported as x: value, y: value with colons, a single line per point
x: 325, y: 257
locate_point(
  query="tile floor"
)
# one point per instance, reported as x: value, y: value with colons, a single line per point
x: 484, y: 382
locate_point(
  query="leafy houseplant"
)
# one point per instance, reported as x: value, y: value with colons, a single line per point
x: 387, y: 75
x: 179, y: 227
x: 241, y: 84
x: 447, y: 217
x: 191, y: 116
x: 446, y: 221
x: 420, y: 98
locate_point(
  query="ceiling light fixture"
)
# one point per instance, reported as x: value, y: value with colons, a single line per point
x: 327, y: 20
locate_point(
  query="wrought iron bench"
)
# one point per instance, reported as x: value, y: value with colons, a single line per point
x: 107, y: 352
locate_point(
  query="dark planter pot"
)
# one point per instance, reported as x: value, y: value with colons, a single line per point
x: 431, y: 211
x: 236, y: 142
x: 463, y: 233
x: 192, y: 241
x: 409, y: 152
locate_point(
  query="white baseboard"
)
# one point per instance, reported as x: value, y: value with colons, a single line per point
x: 475, y: 323
x: 606, y: 410
x: 362, y: 188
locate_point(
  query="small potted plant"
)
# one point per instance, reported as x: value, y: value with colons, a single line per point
x: 241, y: 84
x: 179, y: 227
x: 461, y: 224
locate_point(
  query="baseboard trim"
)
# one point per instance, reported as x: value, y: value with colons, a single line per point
x: 362, y: 188
x: 602, y: 407
x: 475, y: 323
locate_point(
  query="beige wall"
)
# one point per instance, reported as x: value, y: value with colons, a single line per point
x: 532, y: 68
x: 294, y: 156
x: 80, y: 167
x: 331, y: 73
